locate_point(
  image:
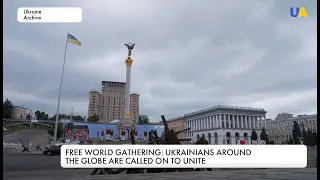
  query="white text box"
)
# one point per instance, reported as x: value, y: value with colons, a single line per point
x: 184, y: 156
x: 49, y: 14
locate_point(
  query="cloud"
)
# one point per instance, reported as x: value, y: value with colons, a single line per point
x: 188, y: 55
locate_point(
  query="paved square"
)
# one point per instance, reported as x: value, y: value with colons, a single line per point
x: 81, y: 174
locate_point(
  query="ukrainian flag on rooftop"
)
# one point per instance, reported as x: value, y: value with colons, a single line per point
x: 73, y: 40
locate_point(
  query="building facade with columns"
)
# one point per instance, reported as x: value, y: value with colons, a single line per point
x: 224, y: 124
x: 280, y: 129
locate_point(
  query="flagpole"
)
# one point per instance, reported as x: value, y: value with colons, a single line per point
x: 57, y: 115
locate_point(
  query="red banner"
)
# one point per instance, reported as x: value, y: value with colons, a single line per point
x: 77, y: 134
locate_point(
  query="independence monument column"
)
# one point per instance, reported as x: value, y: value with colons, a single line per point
x: 126, y: 123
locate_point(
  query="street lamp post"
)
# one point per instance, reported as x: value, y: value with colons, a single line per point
x: 29, y: 128
x: 70, y: 125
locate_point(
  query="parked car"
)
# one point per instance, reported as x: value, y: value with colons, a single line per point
x: 52, y: 150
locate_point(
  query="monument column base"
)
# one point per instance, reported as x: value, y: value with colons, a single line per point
x: 125, y: 127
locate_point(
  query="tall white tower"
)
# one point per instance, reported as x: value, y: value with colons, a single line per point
x: 128, y: 83
x: 126, y: 122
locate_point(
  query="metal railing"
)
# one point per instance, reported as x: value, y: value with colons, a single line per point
x: 12, y: 122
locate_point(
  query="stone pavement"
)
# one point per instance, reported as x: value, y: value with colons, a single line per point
x: 265, y: 174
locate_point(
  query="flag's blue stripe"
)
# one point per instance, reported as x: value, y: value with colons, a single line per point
x: 72, y: 37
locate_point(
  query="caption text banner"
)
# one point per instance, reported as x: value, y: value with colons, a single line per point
x: 184, y: 156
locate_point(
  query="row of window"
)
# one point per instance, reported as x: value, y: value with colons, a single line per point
x: 280, y: 137
x: 93, y: 103
x: 286, y: 130
x: 291, y: 123
x: 113, y: 84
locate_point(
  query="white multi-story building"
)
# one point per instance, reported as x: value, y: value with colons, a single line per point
x: 224, y: 124
x: 280, y: 129
x: 134, y: 107
x: 20, y: 112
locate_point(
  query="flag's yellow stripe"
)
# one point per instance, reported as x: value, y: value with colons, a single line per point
x: 69, y: 40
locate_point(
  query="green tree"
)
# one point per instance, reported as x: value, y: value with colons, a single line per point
x: 144, y: 119
x: 296, y: 133
x: 308, y: 138
x: 65, y: 116
x: 7, y: 109
x: 304, y: 134
x: 38, y: 115
x: 93, y: 118
x: 77, y: 118
x: 60, y: 131
x: 44, y: 116
x: 61, y: 116
x: 314, y: 138
x: 254, y: 135
x: 263, y: 135
x: 41, y: 115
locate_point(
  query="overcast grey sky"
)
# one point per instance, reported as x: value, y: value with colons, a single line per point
x: 189, y: 55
